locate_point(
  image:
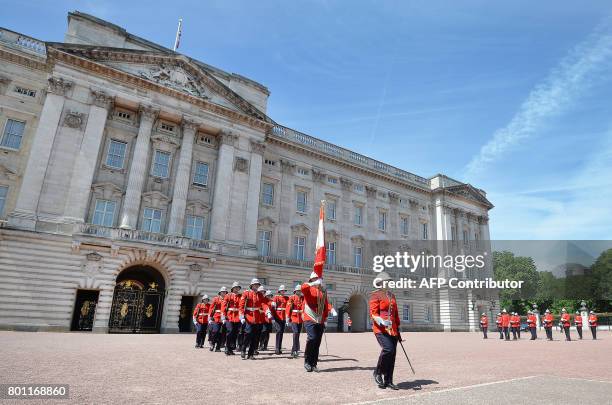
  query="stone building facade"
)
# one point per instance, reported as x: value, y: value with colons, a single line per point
x: 134, y: 179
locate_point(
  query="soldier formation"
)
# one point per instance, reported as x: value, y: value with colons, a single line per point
x: 243, y: 320
x: 511, y: 323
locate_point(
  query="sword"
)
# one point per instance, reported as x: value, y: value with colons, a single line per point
x: 406, y: 354
x: 325, y: 337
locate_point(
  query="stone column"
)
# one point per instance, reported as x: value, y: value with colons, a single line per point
x: 252, y: 211
x: 287, y: 208
x: 182, y: 178
x: 138, y: 169
x: 85, y: 162
x: 223, y: 184
x: 24, y: 215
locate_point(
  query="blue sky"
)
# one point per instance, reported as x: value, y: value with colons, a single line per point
x: 513, y: 98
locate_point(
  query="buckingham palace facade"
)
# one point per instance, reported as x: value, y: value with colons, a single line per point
x: 134, y: 179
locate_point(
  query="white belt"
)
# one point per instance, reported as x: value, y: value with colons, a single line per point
x: 296, y: 310
x: 252, y: 309
x: 232, y: 309
x: 280, y: 308
x: 217, y: 310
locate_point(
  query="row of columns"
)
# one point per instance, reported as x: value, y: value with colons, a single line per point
x: 26, y: 210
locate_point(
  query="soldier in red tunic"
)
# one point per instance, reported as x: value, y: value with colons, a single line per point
x: 505, y: 323
x: 251, y: 315
x: 293, y: 315
x: 316, y: 310
x: 214, y: 314
x: 498, y: 322
x: 385, y: 325
x: 266, y: 327
x: 200, y: 320
x: 548, y: 324
x: 565, y: 324
x: 531, y: 322
x: 484, y: 324
x: 578, y: 324
x: 231, y: 318
x: 278, y: 304
x: 593, y: 324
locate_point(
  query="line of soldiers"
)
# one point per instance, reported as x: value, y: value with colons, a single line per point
x: 244, y: 320
x: 511, y: 322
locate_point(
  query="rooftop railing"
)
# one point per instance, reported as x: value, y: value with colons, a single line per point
x: 347, y: 155
x: 22, y: 42
x: 308, y: 264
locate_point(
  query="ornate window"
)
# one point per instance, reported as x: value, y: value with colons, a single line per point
x: 382, y: 220
x: 115, y: 156
x: 264, y: 239
x: 13, y: 134
x: 429, y: 313
x: 104, y: 213
x: 358, y: 215
x: 425, y: 231
x: 161, y: 164
x: 299, y: 246
x: 3, y: 194
x: 267, y: 194
x: 151, y: 220
x: 194, y: 227
x: 466, y: 237
x: 332, y: 180
x: 407, y: 313
x: 331, y: 209
x: 302, y: 201
x: 404, y: 225
x: 200, y: 175
x: 330, y: 253
x: 357, y: 256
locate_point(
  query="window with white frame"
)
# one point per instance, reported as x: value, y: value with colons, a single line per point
x: 331, y: 209
x: 424, y: 231
x: 302, y: 201
x: 303, y: 171
x: 194, y: 227
x: 13, y: 134
x: 161, y: 164
x: 115, y: 157
x: 264, y: 239
x: 357, y: 256
x: 151, y: 220
x: 429, y: 313
x: 200, y: 174
x: 330, y: 253
x: 299, y: 245
x: 332, y: 180
x: 3, y: 194
x: 406, y: 313
x: 267, y: 194
x: 404, y: 225
x: 104, y: 213
x: 358, y: 188
x: 358, y: 215
x: 382, y: 220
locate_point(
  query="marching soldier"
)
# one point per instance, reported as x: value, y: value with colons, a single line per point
x: 548, y: 324
x: 279, y: 302
x: 578, y: 324
x: 214, y: 314
x: 565, y: 324
x: 385, y: 325
x: 515, y: 323
x: 293, y: 315
x: 200, y: 320
x: 531, y: 322
x: 593, y: 324
x: 231, y: 317
x: 498, y: 322
x: 484, y: 324
x: 251, y: 315
x: 267, y: 321
x: 505, y: 322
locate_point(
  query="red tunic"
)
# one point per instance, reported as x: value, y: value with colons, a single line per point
x: 229, y: 307
x: 215, y: 309
x: 316, y: 306
x: 251, y: 307
x: 531, y: 321
x: 505, y: 320
x: 267, y: 306
x: 279, y: 302
x: 592, y: 320
x: 578, y: 320
x: 484, y: 321
x: 294, y: 308
x: 498, y: 321
x: 200, y: 313
x: 515, y: 321
x: 384, y: 305
x: 548, y: 321
x: 565, y: 320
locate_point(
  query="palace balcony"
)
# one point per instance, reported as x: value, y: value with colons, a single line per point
x: 308, y: 264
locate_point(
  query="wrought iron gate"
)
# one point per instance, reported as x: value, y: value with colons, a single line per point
x: 136, y: 309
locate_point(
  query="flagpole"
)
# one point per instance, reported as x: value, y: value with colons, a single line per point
x: 177, y: 39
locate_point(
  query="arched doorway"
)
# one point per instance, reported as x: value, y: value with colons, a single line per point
x: 358, y: 311
x: 138, y: 301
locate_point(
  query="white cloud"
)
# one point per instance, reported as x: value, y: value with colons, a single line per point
x: 584, y: 66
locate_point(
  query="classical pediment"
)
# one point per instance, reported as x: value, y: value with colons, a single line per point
x: 469, y: 192
x: 168, y: 70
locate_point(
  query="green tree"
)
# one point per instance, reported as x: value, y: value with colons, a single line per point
x: 601, y: 273
x: 518, y: 268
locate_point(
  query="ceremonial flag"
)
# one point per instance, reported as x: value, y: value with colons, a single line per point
x: 319, y: 261
x: 179, y: 32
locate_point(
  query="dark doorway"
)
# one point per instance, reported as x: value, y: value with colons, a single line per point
x: 186, y: 313
x: 84, y: 310
x: 138, y: 301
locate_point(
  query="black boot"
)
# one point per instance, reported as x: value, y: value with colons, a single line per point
x: 378, y: 379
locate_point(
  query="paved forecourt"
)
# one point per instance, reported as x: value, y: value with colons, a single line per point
x: 166, y: 368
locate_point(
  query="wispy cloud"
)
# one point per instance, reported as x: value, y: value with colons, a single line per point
x: 586, y: 64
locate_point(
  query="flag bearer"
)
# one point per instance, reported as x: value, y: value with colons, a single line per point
x: 214, y: 314
x: 385, y: 325
x: 293, y: 315
x: 578, y: 323
x: 593, y: 324
x: 279, y: 302
x: 231, y: 317
x: 251, y: 315
x: 484, y: 324
x: 548, y: 324
x: 200, y: 320
x: 565, y: 324
x: 316, y: 309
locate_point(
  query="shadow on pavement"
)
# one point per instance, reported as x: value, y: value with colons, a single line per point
x: 415, y: 385
x: 353, y: 368
x: 337, y: 359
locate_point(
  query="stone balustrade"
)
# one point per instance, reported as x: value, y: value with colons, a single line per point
x: 308, y: 264
x: 23, y: 42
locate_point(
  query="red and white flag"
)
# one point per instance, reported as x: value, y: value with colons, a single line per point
x: 319, y: 261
